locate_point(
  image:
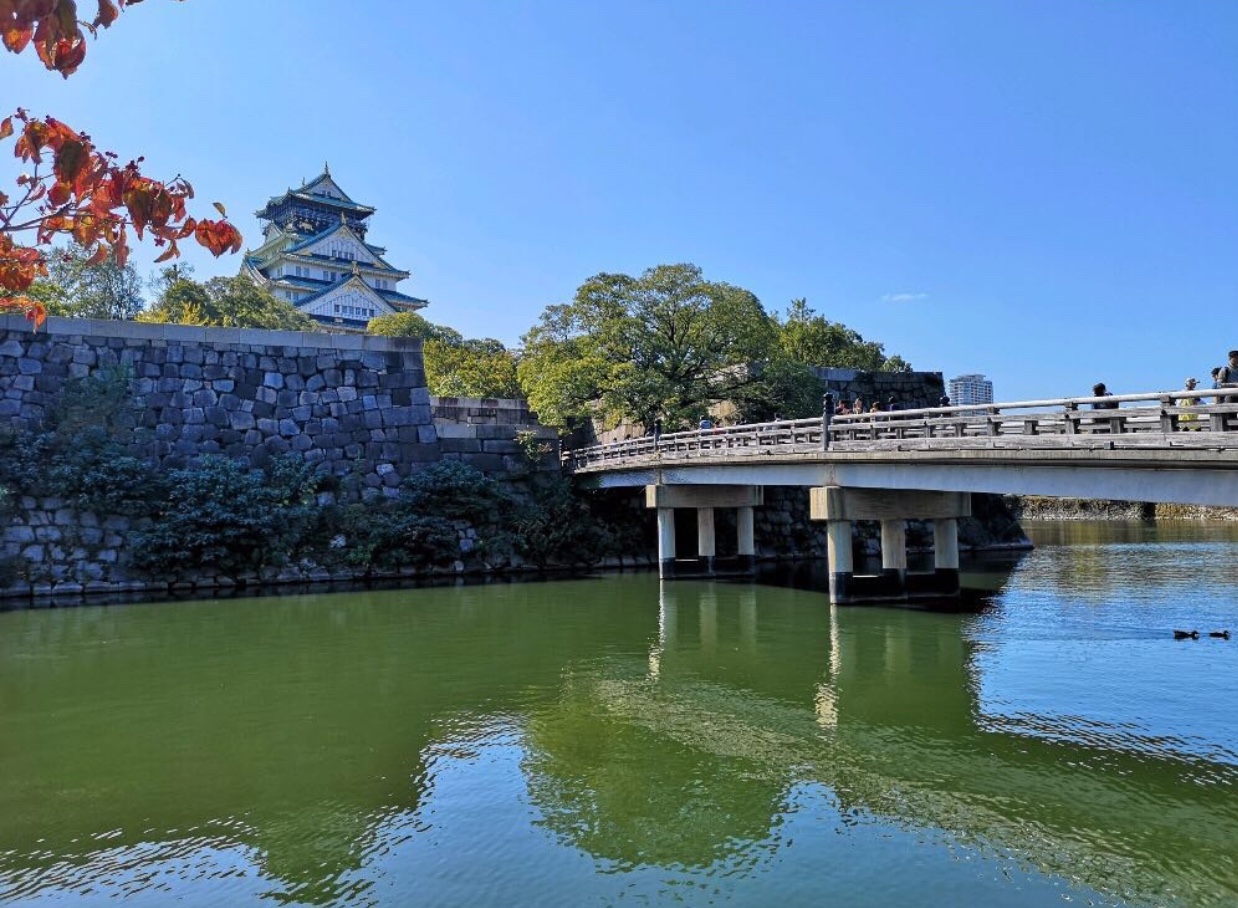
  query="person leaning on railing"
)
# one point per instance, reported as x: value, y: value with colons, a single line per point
x: 1099, y: 390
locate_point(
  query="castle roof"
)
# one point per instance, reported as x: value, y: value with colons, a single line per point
x: 322, y: 190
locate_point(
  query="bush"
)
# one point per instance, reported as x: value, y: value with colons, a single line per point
x: 386, y: 534
x: 456, y: 491
x: 78, y: 458
x: 222, y: 515
x: 554, y: 526
x: 8, y: 566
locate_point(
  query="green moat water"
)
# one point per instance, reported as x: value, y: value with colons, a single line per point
x: 613, y: 741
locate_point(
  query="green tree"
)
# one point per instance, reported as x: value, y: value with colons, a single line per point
x: 781, y: 388
x: 105, y: 289
x: 48, y: 294
x: 160, y: 280
x: 813, y: 340
x: 665, y: 344
x: 410, y: 324
x: 471, y: 368
x: 455, y: 366
x: 231, y: 302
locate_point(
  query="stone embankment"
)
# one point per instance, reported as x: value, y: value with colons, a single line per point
x: 909, y: 390
x: 1037, y: 508
x: 355, y: 407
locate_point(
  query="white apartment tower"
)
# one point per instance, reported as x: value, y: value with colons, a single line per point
x: 971, y: 389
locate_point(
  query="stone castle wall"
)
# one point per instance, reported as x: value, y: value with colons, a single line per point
x: 482, y: 411
x: 910, y: 390
x: 355, y: 403
x: 356, y: 406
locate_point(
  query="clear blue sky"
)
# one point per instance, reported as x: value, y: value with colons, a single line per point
x: 1040, y: 190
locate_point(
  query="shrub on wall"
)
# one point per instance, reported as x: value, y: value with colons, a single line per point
x: 8, y: 565
x: 456, y: 491
x: 419, y: 527
x: 76, y: 456
x: 555, y: 526
x: 219, y: 514
x: 387, y: 534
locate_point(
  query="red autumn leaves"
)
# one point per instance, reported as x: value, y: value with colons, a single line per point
x: 53, y: 28
x: 72, y: 188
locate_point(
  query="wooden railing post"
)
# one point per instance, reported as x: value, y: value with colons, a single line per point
x: 1169, y: 419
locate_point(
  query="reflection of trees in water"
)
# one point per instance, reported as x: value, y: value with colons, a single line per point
x: 292, y: 728
x: 636, y: 789
x: 681, y: 768
x: 678, y: 748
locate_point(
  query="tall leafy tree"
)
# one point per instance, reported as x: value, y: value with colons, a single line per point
x: 230, y: 302
x: 781, y: 389
x: 71, y: 189
x: 455, y: 366
x: 410, y: 324
x: 480, y: 367
x: 813, y: 340
x: 95, y: 289
x: 662, y: 345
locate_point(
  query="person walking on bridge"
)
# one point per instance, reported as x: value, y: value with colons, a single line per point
x: 1227, y: 374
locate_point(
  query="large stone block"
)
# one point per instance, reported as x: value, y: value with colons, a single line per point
x: 460, y: 445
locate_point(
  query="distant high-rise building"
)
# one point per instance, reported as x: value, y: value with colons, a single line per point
x: 971, y: 389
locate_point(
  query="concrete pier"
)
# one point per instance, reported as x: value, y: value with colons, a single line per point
x: 704, y: 499
x: 840, y: 507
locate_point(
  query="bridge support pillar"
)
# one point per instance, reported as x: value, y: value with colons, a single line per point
x: 894, y: 557
x: 747, y: 549
x: 706, y: 543
x: 704, y: 499
x: 840, y: 507
x: 666, y: 542
x: 838, y: 550
x: 946, y: 554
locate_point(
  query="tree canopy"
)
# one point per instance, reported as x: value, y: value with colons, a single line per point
x: 661, y: 345
x: 410, y: 324
x: 455, y: 366
x: 94, y: 289
x: 668, y: 344
x: 813, y: 340
x: 230, y: 302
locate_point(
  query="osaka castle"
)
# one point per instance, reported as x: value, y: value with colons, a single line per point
x: 315, y: 256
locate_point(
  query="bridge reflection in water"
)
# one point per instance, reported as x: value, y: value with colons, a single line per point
x: 888, y: 719
x: 430, y: 745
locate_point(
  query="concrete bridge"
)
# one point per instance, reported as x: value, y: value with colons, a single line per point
x: 1179, y: 447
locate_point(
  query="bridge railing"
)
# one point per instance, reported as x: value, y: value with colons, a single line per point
x: 1063, y: 421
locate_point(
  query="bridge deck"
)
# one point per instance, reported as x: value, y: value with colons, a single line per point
x: 1146, y: 434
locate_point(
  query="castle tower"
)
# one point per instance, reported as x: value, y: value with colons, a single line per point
x: 315, y: 256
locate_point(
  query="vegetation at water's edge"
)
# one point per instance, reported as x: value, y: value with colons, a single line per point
x: 219, y: 517
x: 1032, y: 507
